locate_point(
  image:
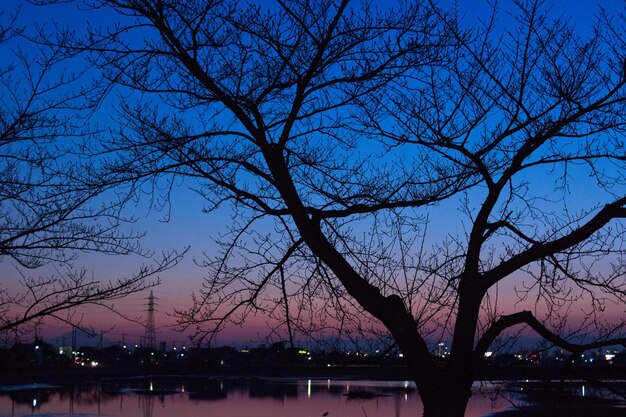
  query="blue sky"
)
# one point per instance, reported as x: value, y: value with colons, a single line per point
x: 187, y: 224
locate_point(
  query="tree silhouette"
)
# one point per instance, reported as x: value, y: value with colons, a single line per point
x: 46, y: 217
x: 338, y: 133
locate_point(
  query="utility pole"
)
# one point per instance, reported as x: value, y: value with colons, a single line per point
x: 73, y: 339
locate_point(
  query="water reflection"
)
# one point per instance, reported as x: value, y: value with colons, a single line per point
x: 147, y: 405
x: 242, y: 397
x: 34, y: 398
x: 566, y: 398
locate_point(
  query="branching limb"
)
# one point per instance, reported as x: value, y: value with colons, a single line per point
x: 526, y: 317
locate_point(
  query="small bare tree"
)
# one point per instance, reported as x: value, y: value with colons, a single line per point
x: 46, y: 214
x: 339, y: 133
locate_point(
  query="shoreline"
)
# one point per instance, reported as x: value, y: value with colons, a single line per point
x: 79, y: 375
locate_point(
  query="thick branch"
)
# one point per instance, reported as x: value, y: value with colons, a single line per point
x: 526, y: 317
x: 540, y: 250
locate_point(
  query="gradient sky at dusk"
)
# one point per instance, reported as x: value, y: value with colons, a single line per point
x: 189, y: 226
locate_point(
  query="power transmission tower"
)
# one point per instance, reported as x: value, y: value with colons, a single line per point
x: 149, y: 339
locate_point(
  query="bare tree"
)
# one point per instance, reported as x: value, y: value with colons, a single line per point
x: 46, y: 211
x: 337, y: 133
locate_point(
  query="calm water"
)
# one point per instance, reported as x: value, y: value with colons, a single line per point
x: 206, y: 397
x: 173, y: 397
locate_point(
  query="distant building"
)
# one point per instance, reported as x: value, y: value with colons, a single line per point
x: 441, y: 350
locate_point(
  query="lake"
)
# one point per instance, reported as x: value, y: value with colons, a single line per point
x: 249, y: 397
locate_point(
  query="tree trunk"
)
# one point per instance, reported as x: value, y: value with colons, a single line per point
x: 446, y: 398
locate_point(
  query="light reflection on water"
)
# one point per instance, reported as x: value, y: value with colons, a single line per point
x: 236, y: 397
